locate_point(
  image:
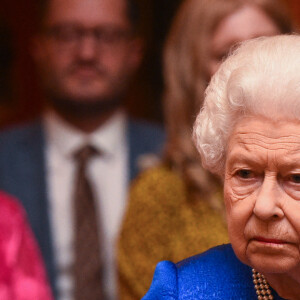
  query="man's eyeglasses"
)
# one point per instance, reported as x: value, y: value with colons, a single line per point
x: 69, y: 37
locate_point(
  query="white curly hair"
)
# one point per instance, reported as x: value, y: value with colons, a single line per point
x: 260, y: 78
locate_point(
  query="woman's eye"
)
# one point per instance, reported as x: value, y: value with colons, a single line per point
x: 245, y: 174
x: 295, y: 178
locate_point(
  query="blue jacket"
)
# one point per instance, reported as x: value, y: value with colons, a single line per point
x: 215, y: 274
x: 22, y: 173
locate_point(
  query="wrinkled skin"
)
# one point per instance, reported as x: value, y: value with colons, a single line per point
x: 262, y: 197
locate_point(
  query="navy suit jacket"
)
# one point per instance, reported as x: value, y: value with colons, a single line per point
x: 22, y: 173
x: 215, y: 274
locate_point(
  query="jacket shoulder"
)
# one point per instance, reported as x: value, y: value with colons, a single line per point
x: 216, y: 273
x: 148, y: 135
x: 19, y: 133
x: 164, y: 284
x: 209, y: 258
x: 142, y: 127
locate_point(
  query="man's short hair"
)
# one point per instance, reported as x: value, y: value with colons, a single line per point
x: 133, y: 13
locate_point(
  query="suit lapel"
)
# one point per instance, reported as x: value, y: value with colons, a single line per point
x: 31, y: 182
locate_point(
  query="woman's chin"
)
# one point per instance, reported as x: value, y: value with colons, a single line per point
x: 270, y: 259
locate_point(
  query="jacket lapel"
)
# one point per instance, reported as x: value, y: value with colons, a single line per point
x: 24, y: 176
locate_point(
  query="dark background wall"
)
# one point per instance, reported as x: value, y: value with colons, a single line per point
x: 18, y: 16
x: 20, y: 98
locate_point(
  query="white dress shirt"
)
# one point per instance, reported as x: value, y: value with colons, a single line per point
x: 108, y: 172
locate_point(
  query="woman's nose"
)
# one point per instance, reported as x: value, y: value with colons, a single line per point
x: 267, y: 203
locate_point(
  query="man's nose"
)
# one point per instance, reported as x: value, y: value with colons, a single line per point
x: 267, y: 203
x: 87, y: 48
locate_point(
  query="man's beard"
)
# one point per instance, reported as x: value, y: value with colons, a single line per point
x: 84, y: 108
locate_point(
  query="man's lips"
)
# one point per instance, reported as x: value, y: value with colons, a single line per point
x: 85, y: 72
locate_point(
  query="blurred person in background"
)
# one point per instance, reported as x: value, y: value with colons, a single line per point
x: 22, y: 276
x: 175, y: 209
x: 72, y: 167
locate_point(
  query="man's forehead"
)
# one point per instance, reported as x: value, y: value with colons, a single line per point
x: 87, y: 11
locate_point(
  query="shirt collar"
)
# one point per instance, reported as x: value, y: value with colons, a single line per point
x: 66, y: 139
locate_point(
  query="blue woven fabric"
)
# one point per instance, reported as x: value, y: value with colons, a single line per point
x: 215, y: 274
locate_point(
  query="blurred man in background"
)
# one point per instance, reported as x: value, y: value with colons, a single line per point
x: 71, y: 169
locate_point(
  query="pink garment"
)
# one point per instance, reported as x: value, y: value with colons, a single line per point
x: 22, y: 273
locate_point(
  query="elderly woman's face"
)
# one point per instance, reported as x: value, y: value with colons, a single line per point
x: 262, y: 194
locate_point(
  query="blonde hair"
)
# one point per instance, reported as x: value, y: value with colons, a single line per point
x: 261, y: 78
x: 186, y: 77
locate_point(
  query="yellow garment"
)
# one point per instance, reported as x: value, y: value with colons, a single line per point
x: 161, y: 224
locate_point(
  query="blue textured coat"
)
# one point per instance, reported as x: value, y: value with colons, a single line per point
x: 22, y: 173
x: 215, y: 274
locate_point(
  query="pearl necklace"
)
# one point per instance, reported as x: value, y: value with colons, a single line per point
x: 261, y: 286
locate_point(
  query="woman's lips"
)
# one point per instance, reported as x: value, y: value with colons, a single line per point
x: 269, y: 241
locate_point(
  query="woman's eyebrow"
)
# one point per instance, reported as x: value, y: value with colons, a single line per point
x: 236, y: 157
